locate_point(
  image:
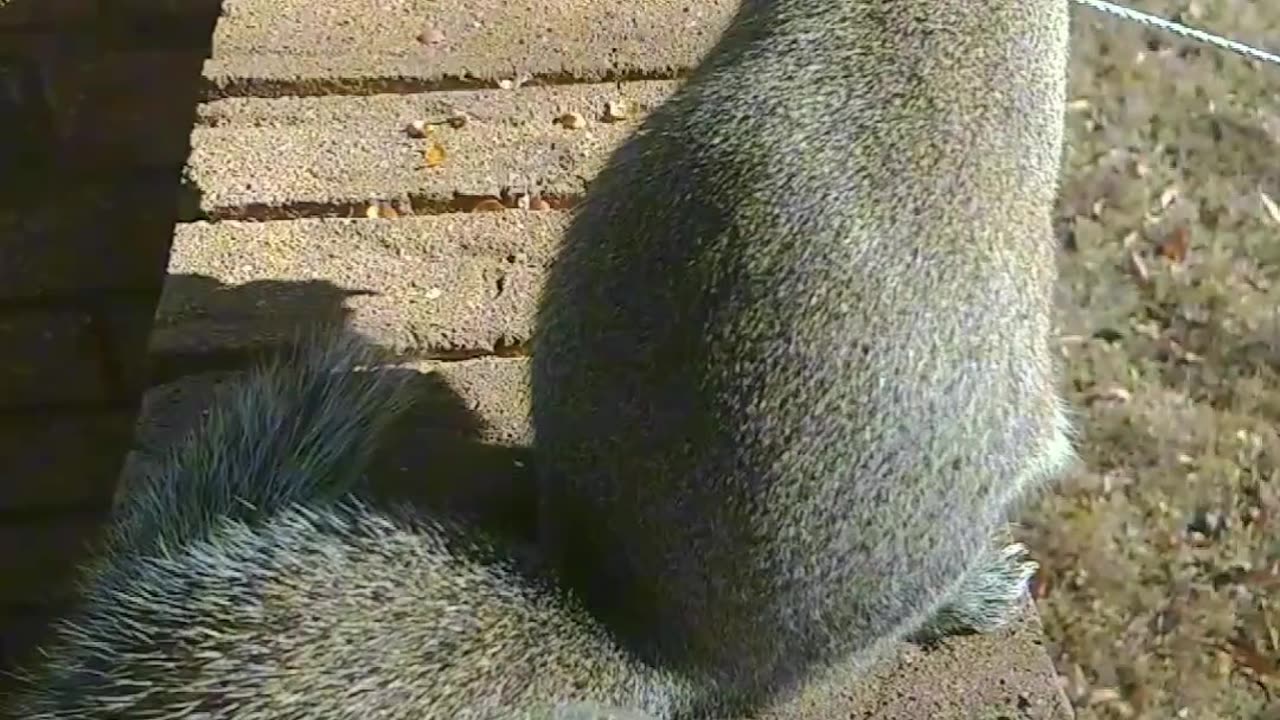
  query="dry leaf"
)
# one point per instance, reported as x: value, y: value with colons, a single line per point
x: 572, y: 120
x: 1246, y: 655
x: 1270, y: 206
x: 489, y: 205
x: 435, y: 155
x: 1175, y: 246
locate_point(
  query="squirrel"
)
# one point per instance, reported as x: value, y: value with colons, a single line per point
x: 245, y: 578
x: 792, y: 367
x: 790, y: 372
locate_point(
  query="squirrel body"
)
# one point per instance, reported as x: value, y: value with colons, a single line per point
x: 793, y: 364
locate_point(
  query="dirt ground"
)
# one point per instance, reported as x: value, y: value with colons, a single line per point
x: 1160, y: 587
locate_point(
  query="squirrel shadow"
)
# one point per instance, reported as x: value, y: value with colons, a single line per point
x: 441, y: 456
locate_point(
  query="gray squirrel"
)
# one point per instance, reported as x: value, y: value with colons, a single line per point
x: 793, y: 365
x: 790, y: 372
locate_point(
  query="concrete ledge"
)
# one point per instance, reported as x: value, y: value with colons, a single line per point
x: 440, y: 285
x: 258, y: 153
x: 464, y: 451
x: 298, y: 42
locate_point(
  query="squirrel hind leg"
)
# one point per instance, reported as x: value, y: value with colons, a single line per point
x: 988, y: 598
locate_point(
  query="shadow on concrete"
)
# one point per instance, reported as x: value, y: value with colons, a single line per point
x: 436, y: 457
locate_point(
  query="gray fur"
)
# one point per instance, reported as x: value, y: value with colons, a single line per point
x: 793, y: 363
x: 243, y: 581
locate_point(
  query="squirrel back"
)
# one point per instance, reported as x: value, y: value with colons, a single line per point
x: 243, y: 579
x: 793, y: 363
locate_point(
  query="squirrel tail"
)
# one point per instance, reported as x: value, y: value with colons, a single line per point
x: 300, y: 428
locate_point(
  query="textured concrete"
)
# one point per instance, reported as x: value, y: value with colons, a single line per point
x: 303, y: 42
x: 438, y: 285
x: 252, y: 153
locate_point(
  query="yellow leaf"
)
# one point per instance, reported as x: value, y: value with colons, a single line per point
x: 435, y: 155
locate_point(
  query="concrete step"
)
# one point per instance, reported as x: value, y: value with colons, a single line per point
x: 452, y: 286
x: 251, y: 157
x: 297, y: 46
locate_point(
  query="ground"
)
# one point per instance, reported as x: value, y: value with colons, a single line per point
x: 1160, y: 587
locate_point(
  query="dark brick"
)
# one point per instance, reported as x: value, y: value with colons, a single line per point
x: 19, y: 13
x: 126, y: 328
x: 101, y: 237
x: 130, y: 108
x: 21, y: 630
x: 165, y: 7
x: 58, y: 461
x: 40, y: 555
x: 49, y: 357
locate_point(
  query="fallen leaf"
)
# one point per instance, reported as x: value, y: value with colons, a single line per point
x: 1175, y: 246
x: 572, y: 121
x: 489, y: 205
x: 1246, y: 655
x: 435, y: 155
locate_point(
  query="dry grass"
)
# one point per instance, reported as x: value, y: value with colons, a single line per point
x: 1161, y: 583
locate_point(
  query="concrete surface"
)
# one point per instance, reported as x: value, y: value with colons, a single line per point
x: 266, y: 153
x: 440, y: 285
x: 264, y: 45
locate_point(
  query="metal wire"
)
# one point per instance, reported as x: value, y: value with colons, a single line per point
x: 1179, y: 29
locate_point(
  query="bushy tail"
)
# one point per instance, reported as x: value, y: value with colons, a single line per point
x: 298, y: 428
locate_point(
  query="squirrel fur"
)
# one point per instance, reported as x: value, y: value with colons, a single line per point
x: 245, y: 578
x: 793, y: 365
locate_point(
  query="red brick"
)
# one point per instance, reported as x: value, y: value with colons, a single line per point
x: 49, y: 357
x: 51, y: 461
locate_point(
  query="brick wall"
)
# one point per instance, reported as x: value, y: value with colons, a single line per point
x: 97, y: 98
